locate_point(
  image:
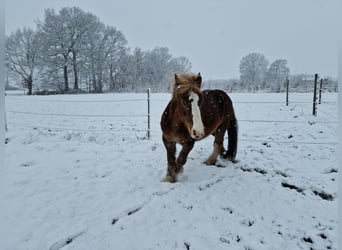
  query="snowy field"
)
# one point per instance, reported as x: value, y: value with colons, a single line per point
x: 81, y: 174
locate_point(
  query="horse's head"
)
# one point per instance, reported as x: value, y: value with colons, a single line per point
x: 188, y: 95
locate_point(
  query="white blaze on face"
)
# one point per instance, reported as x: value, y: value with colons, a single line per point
x: 197, y: 130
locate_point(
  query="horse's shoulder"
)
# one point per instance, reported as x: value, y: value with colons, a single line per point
x: 168, y: 114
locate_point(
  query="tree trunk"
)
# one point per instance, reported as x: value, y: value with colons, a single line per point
x: 111, y: 80
x: 66, y: 83
x: 94, y: 83
x: 99, y: 84
x: 75, y: 70
x: 29, y: 82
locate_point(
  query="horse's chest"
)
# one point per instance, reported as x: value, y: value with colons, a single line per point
x: 177, y: 133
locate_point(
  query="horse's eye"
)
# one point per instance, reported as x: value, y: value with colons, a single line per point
x: 191, y: 100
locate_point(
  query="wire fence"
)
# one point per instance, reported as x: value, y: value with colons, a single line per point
x: 73, y: 115
x: 148, y: 115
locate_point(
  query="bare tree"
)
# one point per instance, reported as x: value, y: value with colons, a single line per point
x: 63, y: 36
x: 253, y: 68
x: 73, y: 43
x: 277, y: 74
x: 103, y: 48
x: 22, y: 52
x: 115, y: 51
x: 181, y: 64
x: 158, y: 67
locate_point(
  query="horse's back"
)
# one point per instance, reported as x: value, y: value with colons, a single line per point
x: 219, y: 101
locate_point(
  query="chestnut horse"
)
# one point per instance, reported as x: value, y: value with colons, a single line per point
x: 192, y: 115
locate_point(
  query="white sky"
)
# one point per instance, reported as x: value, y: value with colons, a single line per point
x: 214, y: 34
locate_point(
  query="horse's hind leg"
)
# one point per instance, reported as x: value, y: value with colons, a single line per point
x: 218, y: 145
x: 232, y: 141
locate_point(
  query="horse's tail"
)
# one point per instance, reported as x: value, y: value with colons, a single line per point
x: 232, y: 140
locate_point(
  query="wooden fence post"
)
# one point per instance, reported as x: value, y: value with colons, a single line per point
x: 314, y: 105
x: 148, y: 113
x: 287, y: 91
x: 320, y: 91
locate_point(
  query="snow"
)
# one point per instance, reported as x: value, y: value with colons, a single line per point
x: 93, y: 181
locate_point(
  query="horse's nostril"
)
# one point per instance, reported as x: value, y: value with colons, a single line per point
x: 196, y: 134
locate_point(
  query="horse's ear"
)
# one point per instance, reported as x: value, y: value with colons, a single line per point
x: 176, y: 80
x: 199, y: 79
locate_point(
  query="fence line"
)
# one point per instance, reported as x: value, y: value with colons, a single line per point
x: 280, y: 121
x: 239, y: 120
x: 71, y: 115
x: 75, y: 129
x: 290, y: 142
x: 74, y: 101
x: 49, y: 129
x: 270, y: 102
x: 148, y: 115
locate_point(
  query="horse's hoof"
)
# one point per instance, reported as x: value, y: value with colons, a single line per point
x: 170, y: 179
x: 230, y: 158
x: 234, y: 161
x: 210, y: 162
x: 180, y: 170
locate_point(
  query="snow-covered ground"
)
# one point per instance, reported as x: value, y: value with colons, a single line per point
x: 81, y: 174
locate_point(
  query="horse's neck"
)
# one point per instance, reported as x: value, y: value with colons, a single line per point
x: 173, y: 105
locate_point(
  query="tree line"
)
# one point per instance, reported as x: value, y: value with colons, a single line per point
x: 256, y: 74
x: 72, y: 51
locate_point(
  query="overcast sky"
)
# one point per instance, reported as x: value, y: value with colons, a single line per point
x: 214, y: 34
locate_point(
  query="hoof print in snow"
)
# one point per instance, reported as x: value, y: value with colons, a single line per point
x: 283, y: 174
x: 307, y: 240
x: 248, y: 223
x: 294, y: 187
x: 228, y: 209
x: 218, y: 165
x: 258, y: 170
x: 187, y: 245
x: 266, y: 144
x: 323, y: 236
x: 62, y: 243
x: 330, y: 171
x: 114, y: 220
x: 201, y: 188
x: 133, y: 211
x: 323, y: 195
x: 224, y: 240
x: 27, y: 164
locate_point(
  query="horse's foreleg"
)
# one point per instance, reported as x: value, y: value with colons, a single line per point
x: 171, y: 160
x: 183, y: 155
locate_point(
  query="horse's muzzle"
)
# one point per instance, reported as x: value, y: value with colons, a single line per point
x: 196, y: 134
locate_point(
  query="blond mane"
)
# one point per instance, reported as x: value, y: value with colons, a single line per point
x: 182, y: 83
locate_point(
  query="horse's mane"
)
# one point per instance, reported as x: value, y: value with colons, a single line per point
x: 182, y: 83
